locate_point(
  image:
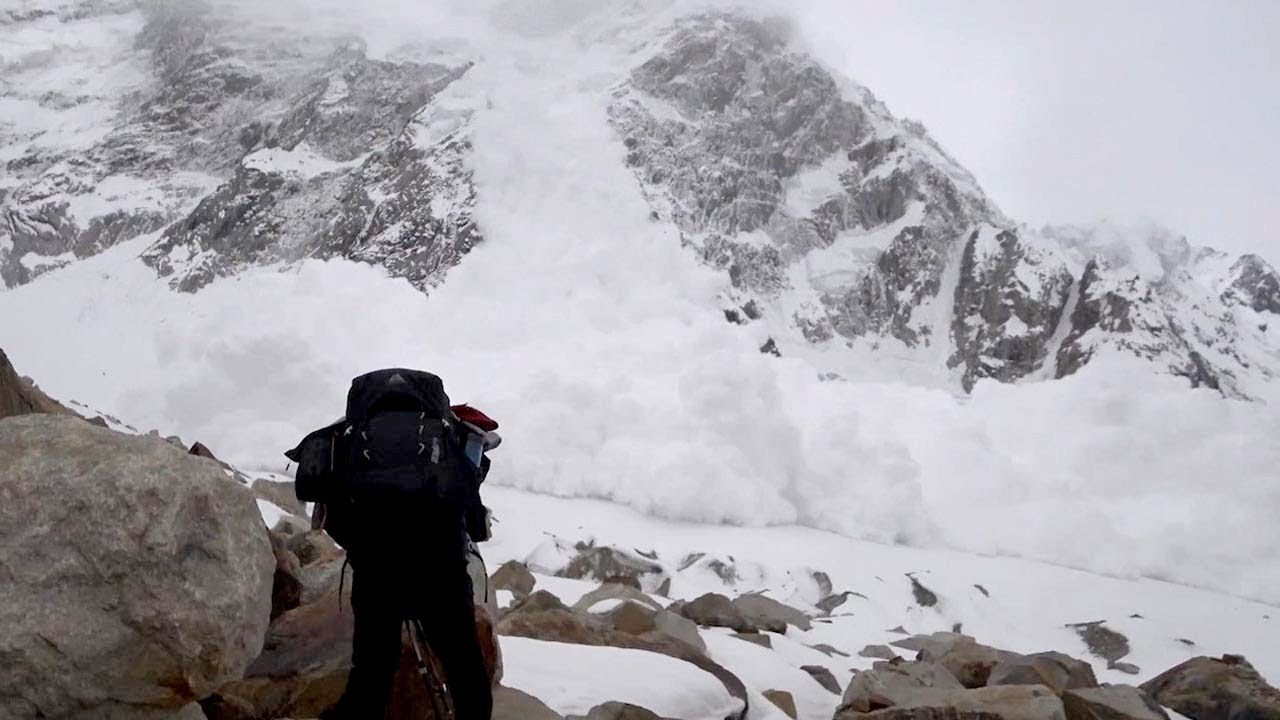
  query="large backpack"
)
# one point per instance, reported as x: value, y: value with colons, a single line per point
x: 399, y: 441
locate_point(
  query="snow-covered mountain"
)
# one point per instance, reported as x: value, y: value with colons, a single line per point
x: 838, y: 224
x: 590, y: 218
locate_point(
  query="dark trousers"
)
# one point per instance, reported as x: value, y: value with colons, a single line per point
x: 438, y: 593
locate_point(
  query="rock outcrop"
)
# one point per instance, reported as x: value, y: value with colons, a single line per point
x: 136, y: 578
x: 20, y: 396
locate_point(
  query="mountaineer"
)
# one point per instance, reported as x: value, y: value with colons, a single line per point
x: 396, y: 483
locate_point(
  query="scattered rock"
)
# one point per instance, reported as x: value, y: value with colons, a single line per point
x: 1111, y: 702
x: 932, y: 646
x: 612, y: 591
x: 1102, y: 641
x: 1124, y: 667
x: 612, y: 564
x: 923, y: 595
x: 1054, y: 670
x: 679, y: 627
x: 824, y: 676
x: 895, y: 682
x: 769, y: 614
x: 286, y: 584
x: 1226, y: 688
x: 755, y: 638
x: 882, y: 652
x: 982, y: 590
x: 831, y: 602
x: 314, y: 546
x: 972, y: 663
x: 515, y: 577
x: 511, y: 704
x: 1013, y: 702
x: 899, y: 630
x: 823, y: 581
x: 829, y: 651
x: 783, y: 700
x: 617, y: 711
x: 716, y: 610
x: 542, y: 616
x: 631, y: 618
x: 136, y: 578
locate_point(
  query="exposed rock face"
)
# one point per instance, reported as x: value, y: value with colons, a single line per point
x: 135, y: 599
x: 1054, y: 670
x: 1226, y: 688
x: 18, y: 396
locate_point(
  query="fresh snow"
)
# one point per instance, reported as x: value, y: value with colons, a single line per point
x: 302, y: 162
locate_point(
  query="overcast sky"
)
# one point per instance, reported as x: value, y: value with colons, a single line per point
x: 1087, y: 109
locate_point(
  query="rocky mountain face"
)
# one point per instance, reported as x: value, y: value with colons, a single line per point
x: 838, y: 225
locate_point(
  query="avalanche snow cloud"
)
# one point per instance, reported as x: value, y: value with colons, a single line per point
x: 598, y: 339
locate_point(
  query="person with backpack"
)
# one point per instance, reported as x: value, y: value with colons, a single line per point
x: 399, y: 480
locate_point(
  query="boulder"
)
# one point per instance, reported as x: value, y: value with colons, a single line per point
x: 617, y: 711
x: 286, y: 583
x: 1054, y: 670
x: 1226, y: 688
x: 137, y: 578
x: 314, y: 546
x: 615, y: 591
x: 321, y: 578
x: 290, y: 525
x: 823, y: 676
x: 716, y: 610
x: 783, y: 700
x: 897, y: 682
x: 280, y: 494
x: 971, y: 663
x: 769, y: 614
x: 1111, y: 702
x: 829, y: 603
x: 679, y: 627
x: 511, y: 704
x: 932, y: 646
x: 515, y: 577
x: 883, y: 652
x: 1011, y: 702
x: 631, y: 618
x: 608, y: 564
x: 20, y: 396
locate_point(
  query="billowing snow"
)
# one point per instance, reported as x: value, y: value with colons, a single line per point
x: 572, y: 679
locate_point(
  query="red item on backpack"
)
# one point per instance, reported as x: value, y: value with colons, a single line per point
x: 472, y: 416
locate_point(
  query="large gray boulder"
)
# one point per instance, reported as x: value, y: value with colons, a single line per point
x: 134, y: 578
x: 1226, y: 688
